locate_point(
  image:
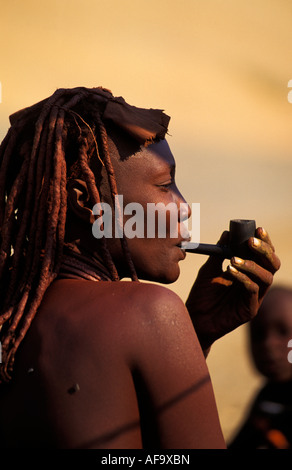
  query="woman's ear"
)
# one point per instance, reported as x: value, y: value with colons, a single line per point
x: 78, y: 200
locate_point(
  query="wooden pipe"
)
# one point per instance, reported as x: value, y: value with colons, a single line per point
x: 240, y: 231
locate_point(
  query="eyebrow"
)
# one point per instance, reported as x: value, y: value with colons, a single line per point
x: 167, y: 168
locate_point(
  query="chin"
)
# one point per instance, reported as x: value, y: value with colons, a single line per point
x: 169, y: 280
x: 162, y: 277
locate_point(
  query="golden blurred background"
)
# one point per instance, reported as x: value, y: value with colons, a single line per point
x: 220, y: 69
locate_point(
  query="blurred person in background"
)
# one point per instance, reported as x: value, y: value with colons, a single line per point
x: 269, y: 423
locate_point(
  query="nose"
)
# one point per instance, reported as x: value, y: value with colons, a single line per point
x: 185, y: 211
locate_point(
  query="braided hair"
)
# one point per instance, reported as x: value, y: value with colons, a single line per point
x: 47, y: 144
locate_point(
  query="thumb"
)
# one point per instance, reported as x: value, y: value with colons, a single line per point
x: 224, y: 239
x: 213, y: 265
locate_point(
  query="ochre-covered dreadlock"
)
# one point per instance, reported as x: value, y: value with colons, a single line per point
x: 45, y: 146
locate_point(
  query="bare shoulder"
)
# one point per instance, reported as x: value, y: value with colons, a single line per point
x: 150, y: 299
x: 159, y: 310
x: 114, y: 326
x: 128, y: 314
x: 92, y: 301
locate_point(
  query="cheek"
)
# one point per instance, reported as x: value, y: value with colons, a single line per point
x: 148, y: 251
x: 152, y: 254
x: 150, y: 221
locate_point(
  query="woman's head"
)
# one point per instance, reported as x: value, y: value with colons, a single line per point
x: 59, y: 159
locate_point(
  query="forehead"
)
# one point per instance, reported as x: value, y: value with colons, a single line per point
x: 159, y: 153
x: 277, y: 308
x: 149, y: 160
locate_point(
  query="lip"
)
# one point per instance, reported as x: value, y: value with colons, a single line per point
x: 182, y: 251
x: 182, y: 241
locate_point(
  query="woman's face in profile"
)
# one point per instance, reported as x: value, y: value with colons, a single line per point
x: 154, y: 211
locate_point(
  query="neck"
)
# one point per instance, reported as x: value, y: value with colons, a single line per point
x: 77, y: 263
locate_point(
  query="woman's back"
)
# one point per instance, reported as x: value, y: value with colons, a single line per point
x: 94, y: 372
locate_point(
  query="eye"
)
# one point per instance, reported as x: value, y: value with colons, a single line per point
x: 165, y: 185
x: 283, y: 331
x: 165, y: 178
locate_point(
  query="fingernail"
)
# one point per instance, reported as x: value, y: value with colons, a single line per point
x: 256, y: 242
x: 237, y: 260
x: 232, y: 269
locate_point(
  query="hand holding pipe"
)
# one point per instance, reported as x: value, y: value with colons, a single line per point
x: 240, y: 231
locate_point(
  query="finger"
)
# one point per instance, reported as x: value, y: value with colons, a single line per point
x: 263, y: 235
x: 224, y: 238
x: 243, y: 278
x: 251, y: 288
x: 266, y: 253
x: 257, y: 272
x: 213, y: 265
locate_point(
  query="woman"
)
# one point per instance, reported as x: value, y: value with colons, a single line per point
x: 90, y: 361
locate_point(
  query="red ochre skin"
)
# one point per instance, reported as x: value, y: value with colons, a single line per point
x: 122, y: 371
x: 119, y: 364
